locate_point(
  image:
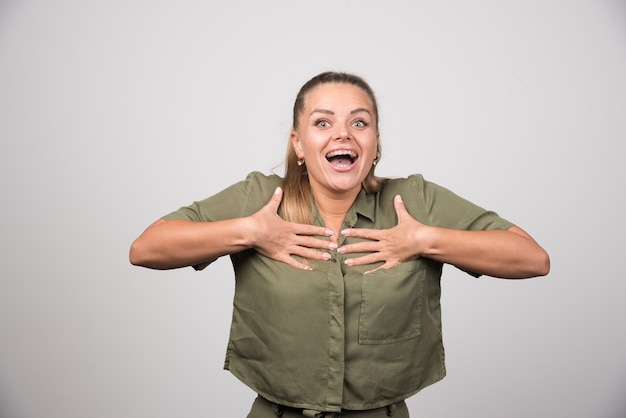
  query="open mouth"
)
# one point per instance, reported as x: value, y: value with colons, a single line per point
x: 341, y: 158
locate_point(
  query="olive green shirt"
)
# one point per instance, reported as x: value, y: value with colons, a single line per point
x: 334, y: 338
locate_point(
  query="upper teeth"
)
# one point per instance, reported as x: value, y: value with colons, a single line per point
x: 349, y: 153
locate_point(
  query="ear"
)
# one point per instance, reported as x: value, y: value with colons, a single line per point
x: 297, y: 145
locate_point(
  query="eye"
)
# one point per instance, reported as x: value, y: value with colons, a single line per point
x: 322, y: 123
x: 359, y: 123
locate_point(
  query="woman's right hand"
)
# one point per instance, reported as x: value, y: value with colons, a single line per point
x: 180, y: 243
x: 281, y: 240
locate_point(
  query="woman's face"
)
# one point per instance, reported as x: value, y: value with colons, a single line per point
x: 337, y: 137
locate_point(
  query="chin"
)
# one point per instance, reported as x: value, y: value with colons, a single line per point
x: 346, y: 187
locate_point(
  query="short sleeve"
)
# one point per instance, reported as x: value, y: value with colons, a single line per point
x: 448, y: 210
x: 238, y: 200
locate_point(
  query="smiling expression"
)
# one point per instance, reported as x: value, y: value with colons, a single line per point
x: 337, y: 137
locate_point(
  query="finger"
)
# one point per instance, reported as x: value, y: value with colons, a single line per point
x: 306, y: 253
x: 310, y: 242
x: 385, y: 266
x: 311, y: 230
x: 360, y: 247
x: 365, y: 259
x: 311, y: 253
x: 373, y: 234
x: 294, y: 263
x: 276, y: 198
x: 400, y: 208
x: 375, y: 270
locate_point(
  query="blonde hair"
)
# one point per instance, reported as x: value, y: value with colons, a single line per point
x: 295, y: 205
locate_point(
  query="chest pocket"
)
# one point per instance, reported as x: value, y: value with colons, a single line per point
x: 391, y: 303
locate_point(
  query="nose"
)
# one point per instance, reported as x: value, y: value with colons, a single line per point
x: 343, y: 134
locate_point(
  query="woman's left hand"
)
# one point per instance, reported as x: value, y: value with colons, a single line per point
x: 392, y: 246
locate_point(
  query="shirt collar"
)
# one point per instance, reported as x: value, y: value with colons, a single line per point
x: 364, y: 205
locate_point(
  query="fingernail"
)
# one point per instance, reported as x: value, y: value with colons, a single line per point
x: 277, y: 191
x: 332, y: 246
x: 329, y: 232
x: 398, y: 198
x: 349, y: 262
x: 345, y: 232
x: 341, y: 250
x: 326, y: 256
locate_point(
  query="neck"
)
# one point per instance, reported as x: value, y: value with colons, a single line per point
x: 334, y: 207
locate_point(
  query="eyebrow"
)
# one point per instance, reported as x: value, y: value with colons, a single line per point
x: 330, y: 112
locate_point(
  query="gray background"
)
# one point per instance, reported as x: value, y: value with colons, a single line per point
x: 113, y: 113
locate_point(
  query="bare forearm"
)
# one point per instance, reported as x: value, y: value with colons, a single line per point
x: 179, y: 243
x: 508, y: 254
x: 172, y: 244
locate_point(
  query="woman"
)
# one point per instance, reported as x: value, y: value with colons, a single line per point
x: 336, y: 307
